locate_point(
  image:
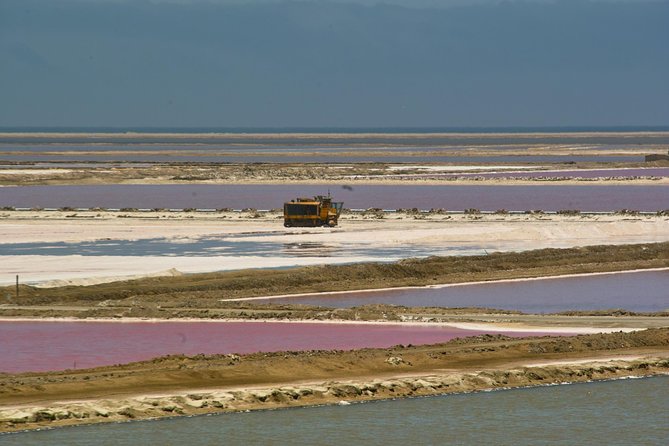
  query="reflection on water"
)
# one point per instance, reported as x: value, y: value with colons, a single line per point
x: 309, y: 249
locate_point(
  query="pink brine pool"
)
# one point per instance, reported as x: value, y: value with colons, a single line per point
x: 49, y: 345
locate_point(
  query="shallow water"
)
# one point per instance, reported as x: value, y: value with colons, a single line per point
x: 450, y: 197
x: 589, y: 173
x: 214, y: 246
x: 50, y: 345
x: 638, y: 291
x: 623, y: 412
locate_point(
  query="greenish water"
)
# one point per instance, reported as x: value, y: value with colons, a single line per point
x: 623, y: 412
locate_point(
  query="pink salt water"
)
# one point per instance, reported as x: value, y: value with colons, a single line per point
x: 54, y: 345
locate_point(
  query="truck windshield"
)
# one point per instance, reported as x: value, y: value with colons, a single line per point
x: 301, y: 209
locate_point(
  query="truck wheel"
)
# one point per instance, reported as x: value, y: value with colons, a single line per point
x: 287, y: 224
x: 332, y: 223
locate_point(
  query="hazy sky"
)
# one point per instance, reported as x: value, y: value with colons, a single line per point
x: 358, y: 63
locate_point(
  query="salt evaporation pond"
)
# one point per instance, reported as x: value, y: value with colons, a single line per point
x: 58, y: 345
x: 612, y: 413
x: 450, y: 197
x: 582, y: 173
x: 643, y: 291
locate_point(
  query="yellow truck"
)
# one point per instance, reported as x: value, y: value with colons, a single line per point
x: 317, y: 211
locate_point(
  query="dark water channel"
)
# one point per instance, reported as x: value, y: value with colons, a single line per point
x: 611, y: 413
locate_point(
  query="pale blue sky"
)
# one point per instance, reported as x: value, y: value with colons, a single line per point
x: 225, y: 63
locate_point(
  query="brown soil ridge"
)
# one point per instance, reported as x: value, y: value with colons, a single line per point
x: 298, y: 169
x: 177, y: 385
x: 130, y: 310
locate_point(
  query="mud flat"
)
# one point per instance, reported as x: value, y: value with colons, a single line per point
x: 178, y: 385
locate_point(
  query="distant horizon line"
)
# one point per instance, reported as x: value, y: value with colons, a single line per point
x: 332, y: 129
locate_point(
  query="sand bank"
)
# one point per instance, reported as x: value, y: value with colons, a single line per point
x: 56, y: 271
x: 587, y: 361
x: 360, y: 238
x: 396, y: 227
x: 35, y: 171
x: 492, y: 327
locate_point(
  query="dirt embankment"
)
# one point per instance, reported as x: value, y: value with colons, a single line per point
x: 177, y: 385
x: 168, y: 296
x: 473, y: 318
